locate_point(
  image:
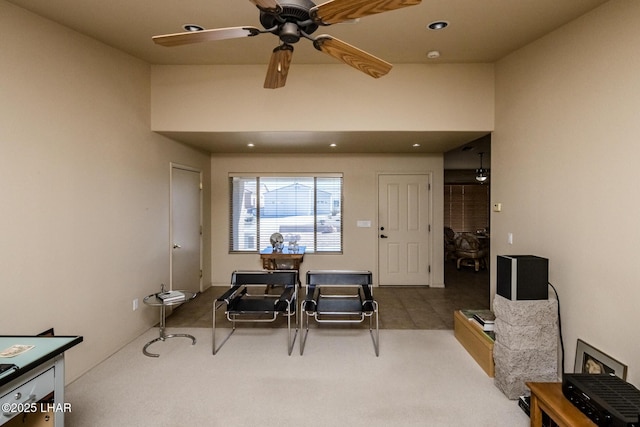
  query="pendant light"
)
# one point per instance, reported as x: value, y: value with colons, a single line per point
x: 481, y: 174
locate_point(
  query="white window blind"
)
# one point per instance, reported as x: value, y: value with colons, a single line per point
x: 305, y: 208
x: 466, y: 207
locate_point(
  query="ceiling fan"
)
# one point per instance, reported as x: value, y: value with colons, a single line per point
x: 291, y: 20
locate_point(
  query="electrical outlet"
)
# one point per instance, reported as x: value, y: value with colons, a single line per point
x: 135, y: 304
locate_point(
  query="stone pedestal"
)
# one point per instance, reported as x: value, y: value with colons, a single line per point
x: 526, y: 345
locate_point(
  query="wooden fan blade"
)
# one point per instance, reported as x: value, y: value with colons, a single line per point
x: 335, y: 11
x: 271, y: 6
x: 351, y: 55
x: 278, y: 67
x: 189, y: 37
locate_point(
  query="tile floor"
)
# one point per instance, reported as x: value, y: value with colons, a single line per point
x: 400, y: 307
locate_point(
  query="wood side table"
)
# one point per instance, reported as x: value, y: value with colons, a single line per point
x: 548, y: 398
x: 284, y: 260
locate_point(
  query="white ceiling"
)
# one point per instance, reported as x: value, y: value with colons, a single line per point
x: 478, y: 32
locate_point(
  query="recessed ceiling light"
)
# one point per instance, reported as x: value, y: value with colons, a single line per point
x: 416, y: 145
x: 251, y: 145
x: 192, y: 27
x: 438, y: 25
x: 333, y: 145
x: 433, y: 54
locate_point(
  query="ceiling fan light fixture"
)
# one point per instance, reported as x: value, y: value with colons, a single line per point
x: 192, y: 27
x: 438, y: 25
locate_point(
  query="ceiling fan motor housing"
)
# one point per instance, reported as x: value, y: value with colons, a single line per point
x: 293, y: 19
x: 289, y: 33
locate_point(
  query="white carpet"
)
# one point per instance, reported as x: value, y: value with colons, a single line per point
x: 422, y: 378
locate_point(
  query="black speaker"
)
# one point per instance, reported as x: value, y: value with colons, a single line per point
x: 522, y: 277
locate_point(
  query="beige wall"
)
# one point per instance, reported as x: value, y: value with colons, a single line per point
x: 360, y: 203
x: 565, y: 155
x: 456, y: 97
x: 85, y: 189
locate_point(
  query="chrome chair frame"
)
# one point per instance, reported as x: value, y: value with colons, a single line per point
x: 326, y: 307
x: 242, y: 306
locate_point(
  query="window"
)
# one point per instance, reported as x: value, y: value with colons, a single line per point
x: 305, y: 208
x: 466, y: 207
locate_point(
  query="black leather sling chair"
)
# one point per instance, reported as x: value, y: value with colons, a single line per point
x: 248, y: 300
x: 339, y: 296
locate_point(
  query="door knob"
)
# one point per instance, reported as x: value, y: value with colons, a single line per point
x: 176, y: 246
x: 382, y: 236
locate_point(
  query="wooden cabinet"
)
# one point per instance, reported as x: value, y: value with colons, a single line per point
x: 547, y: 398
x: 283, y: 260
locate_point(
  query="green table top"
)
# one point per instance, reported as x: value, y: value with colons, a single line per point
x: 45, y: 348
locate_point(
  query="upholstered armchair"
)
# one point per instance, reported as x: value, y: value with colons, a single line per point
x: 470, y: 252
x: 449, y: 244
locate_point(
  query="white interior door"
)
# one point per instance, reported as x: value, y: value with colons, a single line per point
x: 186, y: 228
x: 404, y: 230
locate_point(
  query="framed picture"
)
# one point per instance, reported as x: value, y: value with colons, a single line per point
x: 590, y: 360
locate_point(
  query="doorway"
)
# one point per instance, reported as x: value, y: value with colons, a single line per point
x: 467, y: 208
x: 404, y: 238
x: 186, y: 228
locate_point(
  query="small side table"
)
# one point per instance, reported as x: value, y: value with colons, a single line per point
x: 153, y: 301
